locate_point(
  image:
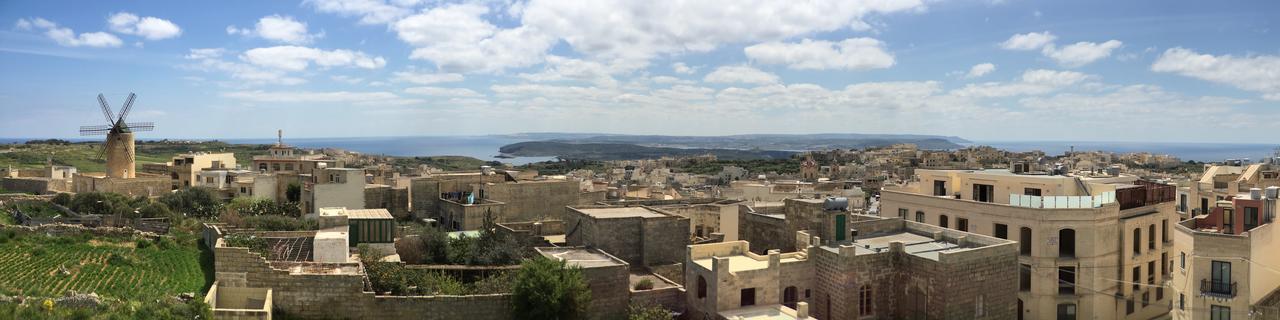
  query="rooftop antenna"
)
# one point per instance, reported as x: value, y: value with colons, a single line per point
x: 279, y: 138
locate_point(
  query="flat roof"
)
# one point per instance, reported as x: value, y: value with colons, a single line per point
x: 621, y: 212
x: 914, y: 244
x: 741, y: 262
x: 765, y: 312
x: 369, y: 214
x: 581, y: 257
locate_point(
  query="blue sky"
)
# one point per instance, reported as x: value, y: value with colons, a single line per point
x: 1193, y: 71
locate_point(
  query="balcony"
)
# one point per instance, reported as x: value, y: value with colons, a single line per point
x: 1145, y: 193
x: 1220, y: 289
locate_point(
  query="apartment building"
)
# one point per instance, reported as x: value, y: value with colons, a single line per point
x: 886, y: 269
x: 1222, y: 181
x: 1225, y: 259
x: 185, y: 169
x: 334, y: 187
x: 1091, y: 246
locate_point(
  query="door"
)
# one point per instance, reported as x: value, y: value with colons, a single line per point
x: 840, y: 232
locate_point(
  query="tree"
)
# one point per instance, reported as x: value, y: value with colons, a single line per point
x: 193, y: 202
x: 647, y: 312
x: 549, y: 289
x: 293, y: 192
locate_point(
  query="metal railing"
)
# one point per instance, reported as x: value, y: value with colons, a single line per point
x: 1218, y: 288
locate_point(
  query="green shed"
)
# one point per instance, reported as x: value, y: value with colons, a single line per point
x: 371, y: 226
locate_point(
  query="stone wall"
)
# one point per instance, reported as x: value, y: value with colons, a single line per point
x: 664, y: 240
x: 395, y: 200
x: 636, y: 240
x: 141, y: 186
x: 297, y: 288
x: 671, y: 298
x: 610, y: 287
x: 33, y: 185
x: 764, y: 232
x: 534, y: 200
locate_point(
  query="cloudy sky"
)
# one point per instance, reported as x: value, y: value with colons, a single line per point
x: 1194, y: 71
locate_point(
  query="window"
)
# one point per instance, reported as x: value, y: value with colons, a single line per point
x: 262, y: 167
x: 939, y: 188
x: 806, y: 293
x: 983, y: 192
x: 1066, y: 280
x: 244, y: 190
x: 1137, y: 274
x: 977, y: 307
x: 1031, y: 191
x: 1137, y: 241
x: 902, y: 213
x: 1020, y: 309
x: 1067, y: 243
x: 1024, y: 278
x: 920, y: 216
x: 1164, y: 263
x: 962, y: 224
x: 1151, y: 237
x: 1182, y: 260
x: 1182, y: 203
x: 1219, y: 313
x: 1067, y: 311
x: 1220, y: 282
x: 864, y: 296
x: 702, y: 287
x: 1159, y: 293
x: 1146, y: 299
x: 1024, y: 241
x: 1182, y: 301
x: 275, y: 167
x: 1228, y: 220
x: 1250, y: 218
x: 1204, y: 205
x: 748, y: 297
x: 1001, y: 231
x: 942, y: 221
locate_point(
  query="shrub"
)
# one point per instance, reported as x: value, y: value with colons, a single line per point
x: 195, y: 202
x: 647, y: 312
x: 548, y: 289
x: 278, y: 223
x: 644, y: 284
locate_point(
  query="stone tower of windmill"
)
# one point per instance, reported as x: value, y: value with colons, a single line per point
x: 118, y: 147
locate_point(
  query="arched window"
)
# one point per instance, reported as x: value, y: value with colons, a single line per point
x: 864, y: 296
x: 1067, y: 243
x: 942, y: 221
x: 1137, y: 241
x: 702, y: 287
x: 790, y: 296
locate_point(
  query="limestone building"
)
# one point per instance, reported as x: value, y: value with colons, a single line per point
x: 334, y: 187
x: 185, y: 168
x: 1219, y: 182
x: 460, y: 200
x: 1082, y: 239
x: 641, y: 236
x: 888, y: 269
x: 1223, y: 259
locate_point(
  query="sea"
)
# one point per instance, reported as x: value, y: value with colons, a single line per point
x: 486, y: 147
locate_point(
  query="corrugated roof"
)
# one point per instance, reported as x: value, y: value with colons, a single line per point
x: 369, y: 214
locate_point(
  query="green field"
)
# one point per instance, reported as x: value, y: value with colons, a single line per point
x: 30, y: 265
x: 85, y: 156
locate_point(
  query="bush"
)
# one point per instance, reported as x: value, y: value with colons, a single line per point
x: 548, y: 289
x: 647, y: 312
x: 644, y: 284
x: 278, y: 223
x: 62, y: 199
x: 194, y: 202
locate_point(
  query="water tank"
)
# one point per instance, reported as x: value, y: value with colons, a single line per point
x: 1273, y: 192
x: 486, y: 170
x: 1255, y: 194
x: 835, y: 203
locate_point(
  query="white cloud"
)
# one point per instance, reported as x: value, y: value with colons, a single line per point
x: 681, y: 68
x: 151, y: 28
x: 1032, y: 82
x: 278, y: 28
x: 309, y: 96
x: 561, y: 69
x: 67, y: 37
x: 347, y: 79
x: 740, y: 74
x: 427, y: 78
x: 1073, y: 55
x: 369, y: 11
x: 205, y: 53
x: 1081, y: 53
x: 849, y: 54
x: 980, y: 70
x: 457, y: 39
x: 443, y: 92
x: 1029, y: 41
x: 1253, y: 73
x: 295, y: 58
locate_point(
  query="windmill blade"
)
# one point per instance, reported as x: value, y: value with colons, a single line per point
x: 140, y: 126
x: 106, y: 109
x: 128, y: 104
x: 94, y: 130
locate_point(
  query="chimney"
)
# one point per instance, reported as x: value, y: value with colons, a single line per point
x: 802, y: 310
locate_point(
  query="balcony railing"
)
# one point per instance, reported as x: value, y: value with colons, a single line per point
x: 1148, y: 193
x: 1218, y: 288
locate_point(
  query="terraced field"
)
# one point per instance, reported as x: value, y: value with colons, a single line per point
x: 31, y: 266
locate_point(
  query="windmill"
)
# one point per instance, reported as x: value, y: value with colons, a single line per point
x: 119, y: 144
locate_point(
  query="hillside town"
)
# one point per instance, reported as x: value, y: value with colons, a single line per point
x: 891, y: 232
